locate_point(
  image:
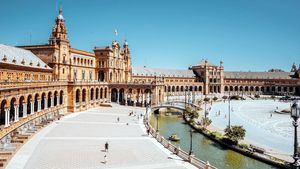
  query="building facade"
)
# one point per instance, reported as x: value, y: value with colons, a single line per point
x: 37, y: 79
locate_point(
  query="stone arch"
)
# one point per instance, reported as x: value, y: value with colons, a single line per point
x: 241, y: 88
x: 195, y: 88
x: 49, y: 99
x: 29, y: 102
x: 97, y: 93
x: 114, y: 93
x: 191, y: 88
x: 200, y: 88
x: 181, y: 88
x: 246, y: 88
x: 121, y: 96
x: 101, y: 93
x: 257, y: 88
x: 92, y: 94
x: 251, y: 88
x: 236, y: 88
x: 77, y: 96
x: 173, y: 88
x: 231, y: 88
x: 177, y: 88
x: 36, y: 99
x: 55, y: 98
x: 273, y: 88
x: 61, y: 97
x: 3, y: 106
x: 83, y: 95
x: 262, y: 89
x: 43, y: 101
x: 169, y: 88
x: 21, y: 108
x: 226, y: 88
x: 13, y: 103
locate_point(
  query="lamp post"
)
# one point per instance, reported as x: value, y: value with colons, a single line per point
x: 185, y: 96
x: 295, y: 111
x: 191, y: 142
x: 156, y: 113
x: 229, y: 110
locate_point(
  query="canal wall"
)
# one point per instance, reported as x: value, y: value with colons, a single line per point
x: 261, y: 157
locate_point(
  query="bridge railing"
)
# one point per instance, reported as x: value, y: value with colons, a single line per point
x: 176, y: 150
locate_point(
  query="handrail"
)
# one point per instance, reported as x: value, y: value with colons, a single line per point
x: 176, y: 150
x: 30, y: 117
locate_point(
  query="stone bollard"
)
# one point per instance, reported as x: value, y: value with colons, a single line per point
x: 207, y: 165
x: 190, y: 158
x: 169, y: 143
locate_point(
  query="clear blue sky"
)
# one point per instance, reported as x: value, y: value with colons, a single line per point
x: 246, y: 34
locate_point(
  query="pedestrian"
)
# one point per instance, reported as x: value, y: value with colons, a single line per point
x: 148, y: 131
x: 118, y: 119
x: 106, y: 147
x: 271, y: 115
x: 105, y: 159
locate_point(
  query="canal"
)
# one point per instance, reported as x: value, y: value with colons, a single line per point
x: 204, y: 148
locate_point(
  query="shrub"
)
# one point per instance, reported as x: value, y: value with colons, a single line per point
x: 257, y: 96
x: 224, y: 97
x: 235, y: 97
x: 216, y: 135
x: 206, y: 121
x: 235, y: 133
x: 244, y: 146
x: 206, y: 99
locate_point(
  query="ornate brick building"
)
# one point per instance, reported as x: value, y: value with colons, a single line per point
x: 38, y: 79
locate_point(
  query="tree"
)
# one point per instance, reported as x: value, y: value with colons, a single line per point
x: 206, y: 99
x: 257, y: 96
x: 224, y: 97
x: 191, y: 114
x: 235, y: 133
x: 215, y: 99
x: 206, y: 121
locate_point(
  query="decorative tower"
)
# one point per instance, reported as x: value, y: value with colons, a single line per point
x: 127, y: 61
x: 61, y: 59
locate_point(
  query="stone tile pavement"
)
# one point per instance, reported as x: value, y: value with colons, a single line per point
x: 77, y: 141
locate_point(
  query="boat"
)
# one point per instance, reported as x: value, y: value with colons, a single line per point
x: 174, y: 137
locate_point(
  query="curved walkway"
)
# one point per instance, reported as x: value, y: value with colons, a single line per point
x: 77, y: 141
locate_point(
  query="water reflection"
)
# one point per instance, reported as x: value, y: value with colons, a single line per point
x: 204, y: 148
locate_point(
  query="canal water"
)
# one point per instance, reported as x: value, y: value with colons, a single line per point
x: 204, y: 148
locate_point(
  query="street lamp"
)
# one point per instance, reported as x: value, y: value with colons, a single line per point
x: 185, y: 96
x: 191, y: 142
x: 156, y: 113
x: 295, y: 111
x: 229, y: 110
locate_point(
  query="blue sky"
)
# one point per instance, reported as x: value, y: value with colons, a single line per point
x: 246, y: 34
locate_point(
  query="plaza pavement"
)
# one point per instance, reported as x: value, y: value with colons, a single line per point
x: 77, y: 141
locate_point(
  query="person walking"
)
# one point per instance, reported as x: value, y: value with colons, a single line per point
x: 106, y: 147
x: 118, y: 119
x: 105, y: 159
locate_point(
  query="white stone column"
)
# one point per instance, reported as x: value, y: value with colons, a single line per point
x: 16, y: 113
x: 31, y: 107
x: 143, y: 99
x: 6, y: 117
x: 24, y: 109
x: 52, y: 101
x: 39, y: 105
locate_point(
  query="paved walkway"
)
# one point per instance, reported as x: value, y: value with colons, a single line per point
x: 77, y: 141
